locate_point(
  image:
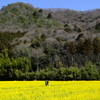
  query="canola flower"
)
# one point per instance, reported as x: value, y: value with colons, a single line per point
x: 56, y: 90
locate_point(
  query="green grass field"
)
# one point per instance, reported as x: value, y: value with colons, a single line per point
x: 56, y: 90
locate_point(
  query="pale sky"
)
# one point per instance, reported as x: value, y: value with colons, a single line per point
x: 79, y: 5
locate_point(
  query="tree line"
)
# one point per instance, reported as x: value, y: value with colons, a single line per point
x: 77, y: 60
x: 21, y: 69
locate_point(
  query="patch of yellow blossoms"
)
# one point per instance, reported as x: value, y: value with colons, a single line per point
x: 56, y: 90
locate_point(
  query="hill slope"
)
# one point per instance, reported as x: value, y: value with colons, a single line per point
x: 52, y: 35
x: 23, y: 17
x: 50, y: 44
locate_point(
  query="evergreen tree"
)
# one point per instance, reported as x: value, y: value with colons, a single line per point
x: 88, y: 47
x: 40, y: 10
x: 72, y: 47
x: 49, y: 15
x: 80, y: 47
x: 96, y: 44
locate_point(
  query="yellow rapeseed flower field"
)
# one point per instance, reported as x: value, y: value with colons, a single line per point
x: 56, y: 90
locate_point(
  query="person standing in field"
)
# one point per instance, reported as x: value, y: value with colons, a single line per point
x: 46, y: 83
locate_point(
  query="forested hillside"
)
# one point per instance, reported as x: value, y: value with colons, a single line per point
x: 55, y: 44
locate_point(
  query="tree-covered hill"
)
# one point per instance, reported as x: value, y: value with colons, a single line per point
x: 23, y: 17
x: 54, y: 43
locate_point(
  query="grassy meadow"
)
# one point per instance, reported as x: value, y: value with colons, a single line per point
x: 56, y: 90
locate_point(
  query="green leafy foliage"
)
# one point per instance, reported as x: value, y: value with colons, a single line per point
x: 90, y: 72
x: 10, y: 68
